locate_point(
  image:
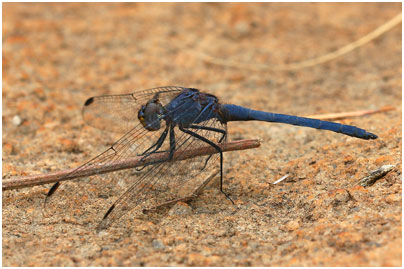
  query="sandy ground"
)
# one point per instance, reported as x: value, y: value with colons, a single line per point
x: 55, y: 56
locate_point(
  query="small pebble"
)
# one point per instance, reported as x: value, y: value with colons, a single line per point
x: 242, y: 27
x: 17, y: 120
x: 157, y: 244
x: 180, y: 209
x: 293, y: 225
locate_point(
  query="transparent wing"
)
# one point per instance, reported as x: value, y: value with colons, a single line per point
x: 146, y: 188
x: 134, y: 143
x: 170, y: 180
x: 118, y: 113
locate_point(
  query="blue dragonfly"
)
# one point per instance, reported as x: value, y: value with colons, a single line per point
x: 171, y: 119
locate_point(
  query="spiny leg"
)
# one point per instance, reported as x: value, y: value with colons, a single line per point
x: 172, y: 143
x: 157, y: 145
x: 201, y: 127
x: 193, y: 126
x: 219, y: 150
x: 171, y: 150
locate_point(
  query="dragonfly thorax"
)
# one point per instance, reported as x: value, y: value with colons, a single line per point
x: 151, y: 114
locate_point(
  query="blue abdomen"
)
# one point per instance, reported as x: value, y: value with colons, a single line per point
x: 238, y: 113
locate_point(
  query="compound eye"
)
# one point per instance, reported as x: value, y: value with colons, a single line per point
x: 151, y: 109
x: 149, y: 115
x: 140, y: 115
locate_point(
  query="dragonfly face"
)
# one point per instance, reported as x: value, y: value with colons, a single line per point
x: 151, y: 114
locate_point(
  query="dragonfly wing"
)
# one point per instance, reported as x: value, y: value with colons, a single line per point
x: 132, y: 144
x: 170, y: 180
x: 118, y: 113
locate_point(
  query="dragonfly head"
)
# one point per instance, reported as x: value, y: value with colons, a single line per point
x: 150, y: 115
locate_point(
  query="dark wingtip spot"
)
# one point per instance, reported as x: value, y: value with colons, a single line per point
x: 108, y: 212
x: 89, y: 101
x: 53, y: 189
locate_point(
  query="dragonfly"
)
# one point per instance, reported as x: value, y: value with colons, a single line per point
x: 170, y: 120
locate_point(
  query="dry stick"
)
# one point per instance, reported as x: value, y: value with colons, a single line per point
x: 376, y: 175
x: 29, y: 181
x: 342, y: 115
x: 307, y: 63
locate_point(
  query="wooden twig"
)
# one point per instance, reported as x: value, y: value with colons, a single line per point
x: 376, y: 175
x: 338, y: 116
x: 29, y: 181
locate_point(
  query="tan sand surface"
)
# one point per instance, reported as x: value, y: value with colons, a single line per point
x: 55, y: 56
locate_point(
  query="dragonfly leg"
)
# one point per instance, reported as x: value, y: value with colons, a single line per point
x: 159, y: 143
x: 156, y: 145
x: 219, y: 150
x: 223, y: 132
x: 172, y: 143
x: 199, y: 127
